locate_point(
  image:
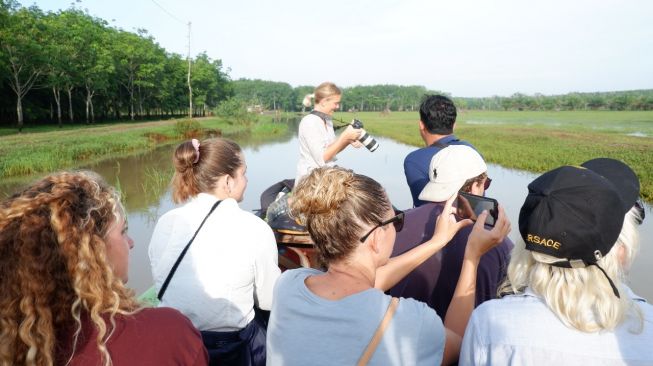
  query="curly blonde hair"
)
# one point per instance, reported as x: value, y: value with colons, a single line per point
x: 54, y: 269
x: 337, y: 205
x: 580, y: 297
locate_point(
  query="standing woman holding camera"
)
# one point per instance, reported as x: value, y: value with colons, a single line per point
x: 318, y: 144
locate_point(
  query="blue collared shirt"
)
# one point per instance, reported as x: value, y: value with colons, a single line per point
x: 416, y: 165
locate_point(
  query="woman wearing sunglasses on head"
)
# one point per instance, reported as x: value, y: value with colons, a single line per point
x: 334, y: 317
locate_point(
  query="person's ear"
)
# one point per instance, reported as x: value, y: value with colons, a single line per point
x: 622, y: 256
x: 375, y: 239
x: 421, y: 126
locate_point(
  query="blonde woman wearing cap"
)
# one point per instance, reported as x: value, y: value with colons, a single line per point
x: 565, y: 299
x: 329, y: 318
x: 318, y: 144
x: 230, y: 265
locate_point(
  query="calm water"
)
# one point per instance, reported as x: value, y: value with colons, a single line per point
x: 144, y: 180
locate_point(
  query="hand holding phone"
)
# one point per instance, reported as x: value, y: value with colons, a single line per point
x: 469, y: 206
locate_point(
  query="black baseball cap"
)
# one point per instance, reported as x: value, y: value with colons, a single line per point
x: 574, y: 214
x: 620, y: 175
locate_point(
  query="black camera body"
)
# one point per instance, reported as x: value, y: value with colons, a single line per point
x: 368, y: 141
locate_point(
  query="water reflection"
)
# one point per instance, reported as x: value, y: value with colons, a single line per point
x: 144, y: 180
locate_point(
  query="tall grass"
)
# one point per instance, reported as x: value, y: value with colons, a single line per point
x: 539, y: 141
x: 29, y: 153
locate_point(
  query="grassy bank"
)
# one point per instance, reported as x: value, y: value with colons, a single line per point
x: 539, y: 141
x: 40, y: 150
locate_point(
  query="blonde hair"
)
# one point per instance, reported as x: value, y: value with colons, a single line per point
x: 323, y: 91
x: 54, y: 268
x: 581, y: 298
x: 337, y: 205
x: 196, y: 174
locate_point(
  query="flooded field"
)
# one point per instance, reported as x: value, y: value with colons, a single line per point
x: 144, y: 180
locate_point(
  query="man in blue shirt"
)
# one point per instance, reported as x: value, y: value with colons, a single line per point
x: 437, y: 119
x: 453, y: 169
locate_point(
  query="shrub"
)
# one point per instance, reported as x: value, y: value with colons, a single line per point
x: 187, y: 128
x: 234, y: 111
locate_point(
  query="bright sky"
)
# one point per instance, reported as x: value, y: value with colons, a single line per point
x: 463, y: 47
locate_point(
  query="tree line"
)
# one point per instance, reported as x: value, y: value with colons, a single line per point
x: 633, y: 100
x: 70, y: 66
x: 271, y: 95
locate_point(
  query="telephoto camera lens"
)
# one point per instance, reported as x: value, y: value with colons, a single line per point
x: 365, y: 138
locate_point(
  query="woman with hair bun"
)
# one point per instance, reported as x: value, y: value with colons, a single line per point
x: 333, y: 317
x: 64, y: 255
x: 231, y: 262
x: 318, y: 145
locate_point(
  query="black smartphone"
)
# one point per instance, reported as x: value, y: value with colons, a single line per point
x: 469, y: 206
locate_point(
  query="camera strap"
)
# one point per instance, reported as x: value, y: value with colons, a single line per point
x: 323, y: 116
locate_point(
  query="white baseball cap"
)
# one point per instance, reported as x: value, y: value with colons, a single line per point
x: 450, y: 168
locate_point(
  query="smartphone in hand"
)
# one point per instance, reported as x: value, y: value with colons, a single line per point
x: 469, y: 206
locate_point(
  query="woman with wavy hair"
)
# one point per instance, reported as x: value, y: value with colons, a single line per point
x: 333, y: 317
x: 565, y: 301
x: 318, y: 144
x: 230, y: 265
x: 63, y: 266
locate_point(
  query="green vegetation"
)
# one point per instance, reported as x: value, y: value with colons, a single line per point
x: 235, y: 112
x: 633, y: 100
x: 29, y: 153
x: 68, y: 66
x: 539, y: 141
x: 272, y: 95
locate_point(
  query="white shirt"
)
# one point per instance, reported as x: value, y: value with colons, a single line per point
x: 521, y: 330
x: 314, y: 137
x: 231, y: 262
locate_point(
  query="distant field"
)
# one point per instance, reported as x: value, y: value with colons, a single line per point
x: 539, y: 141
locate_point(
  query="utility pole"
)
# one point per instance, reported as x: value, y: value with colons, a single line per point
x: 190, y: 89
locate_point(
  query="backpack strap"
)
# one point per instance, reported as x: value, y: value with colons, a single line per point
x: 164, y: 287
x: 378, y: 335
x: 442, y: 145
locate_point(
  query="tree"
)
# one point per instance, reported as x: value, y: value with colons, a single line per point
x: 209, y: 82
x: 129, y: 58
x: 22, y: 39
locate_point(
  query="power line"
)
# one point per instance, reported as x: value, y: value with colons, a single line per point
x: 190, y: 89
x: 169, y: 13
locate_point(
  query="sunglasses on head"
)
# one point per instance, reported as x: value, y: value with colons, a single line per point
x: 397, y: 220
x: 642, y: 212
x: 488, y: 181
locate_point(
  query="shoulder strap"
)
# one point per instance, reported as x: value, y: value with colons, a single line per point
x: 182, y: 254
x: 371, y: 347
x: 442, y: 145
x: 319, y: 114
